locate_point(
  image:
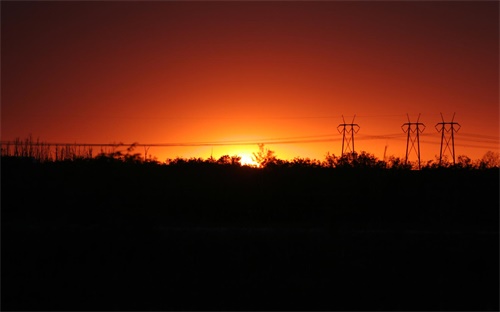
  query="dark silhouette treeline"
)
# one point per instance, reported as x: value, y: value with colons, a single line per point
x: 116, y: 232
x: 47, y: 152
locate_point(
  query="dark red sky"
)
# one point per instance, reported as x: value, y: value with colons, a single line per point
x: 181, y: 72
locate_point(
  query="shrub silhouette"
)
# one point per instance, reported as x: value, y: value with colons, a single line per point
x: 266, y: 158
x: 115, y: 233
x: 229, y: 160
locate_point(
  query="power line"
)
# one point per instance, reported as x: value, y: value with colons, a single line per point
x: 190, y: 144
x: 280, y: 140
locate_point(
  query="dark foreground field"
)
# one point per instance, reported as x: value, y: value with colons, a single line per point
x: 116, y: 236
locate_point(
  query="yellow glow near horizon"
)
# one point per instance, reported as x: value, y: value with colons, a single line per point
x: 247, y: 160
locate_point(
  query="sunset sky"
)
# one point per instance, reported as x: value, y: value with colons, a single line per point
x: 229, y: 73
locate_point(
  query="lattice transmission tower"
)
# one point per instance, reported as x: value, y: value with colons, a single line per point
x: 413, y: 129
x: 348, y: 131
x: 448, y: 128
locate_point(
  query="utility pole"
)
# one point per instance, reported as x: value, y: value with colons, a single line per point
x: 350, y: 130
x: 413, y: 129
x: 449, y: 128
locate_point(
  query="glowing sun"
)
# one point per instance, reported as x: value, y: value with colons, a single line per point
x: 246, y: 160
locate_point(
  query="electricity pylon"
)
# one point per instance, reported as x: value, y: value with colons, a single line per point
x: 349, y: 129
x: 413, y: 129
x: 449, y: 128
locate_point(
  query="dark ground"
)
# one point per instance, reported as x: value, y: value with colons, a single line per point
x: 114, y: 236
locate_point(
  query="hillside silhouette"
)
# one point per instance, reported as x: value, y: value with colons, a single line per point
x: 119, y: 233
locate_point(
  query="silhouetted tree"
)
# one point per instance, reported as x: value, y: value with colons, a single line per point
x: 330, y: 161
x: 490, y: 160
x: 224, y: 160
x: 367, y: 160
x: 305, y: 163
x: 229, y: 160
x: 394, y: 162
x: 236, y: 160
x: 346, y: 160
x: 176, y: 161
x: 464, y: 162
x: 119, y: 155
x: 264, y: 157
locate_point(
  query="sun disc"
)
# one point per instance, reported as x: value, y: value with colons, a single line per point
x: 246, y: 160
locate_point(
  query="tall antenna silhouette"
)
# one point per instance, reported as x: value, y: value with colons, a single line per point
x: 350, y: 130
x: 448, y: 128
x: 413, y: 129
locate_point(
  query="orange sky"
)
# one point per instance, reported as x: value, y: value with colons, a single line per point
x: 183, y: 72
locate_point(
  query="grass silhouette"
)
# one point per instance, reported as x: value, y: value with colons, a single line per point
x: 118, y: 233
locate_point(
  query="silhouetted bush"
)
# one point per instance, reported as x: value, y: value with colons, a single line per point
x: 266, y: 158
x: 115, y: 232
